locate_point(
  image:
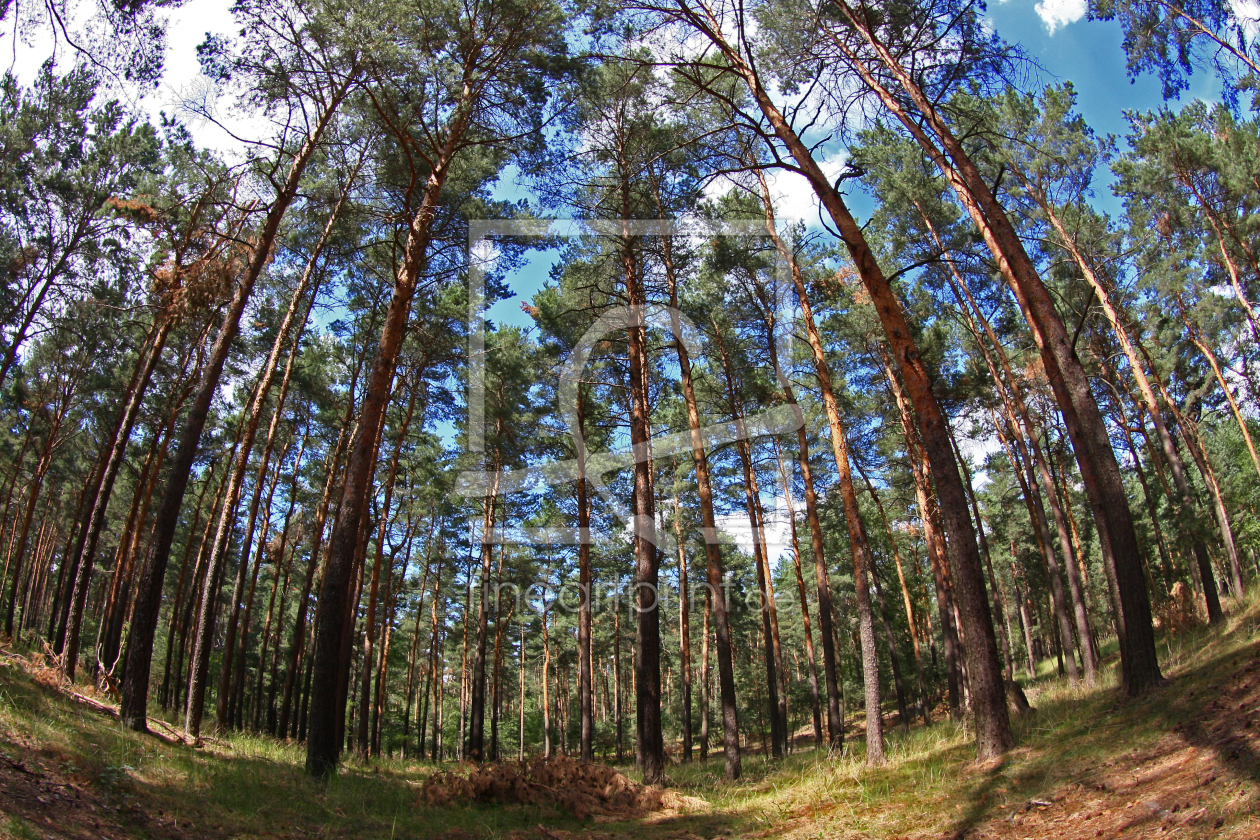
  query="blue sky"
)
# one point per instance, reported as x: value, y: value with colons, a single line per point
x: 1055, y: 35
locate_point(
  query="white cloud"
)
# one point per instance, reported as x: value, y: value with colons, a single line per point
x: 794, y: 197
x: 1246, y: 15
x: 1057, y: 13
x: 182, y: 83
x: 738, y: 527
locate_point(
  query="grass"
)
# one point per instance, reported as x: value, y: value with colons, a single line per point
x: 931, y: 786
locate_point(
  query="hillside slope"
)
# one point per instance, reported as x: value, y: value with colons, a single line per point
x: 1181, y: 762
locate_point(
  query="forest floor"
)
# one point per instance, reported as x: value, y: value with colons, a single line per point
x: 1183, y: 761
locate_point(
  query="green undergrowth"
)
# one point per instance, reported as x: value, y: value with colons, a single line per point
x: 930, y: 786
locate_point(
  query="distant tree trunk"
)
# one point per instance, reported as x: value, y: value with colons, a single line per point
x: 1025, y: 622
x: 83, y: 556
x: 278, y: 564
x: 934, y: 538
x: 1013, y: 402
x: 1041, y: 527
x: 520, y: 737
x: 777, y: 736
x: 477, y: 699
x: 586, y: 592
x: 379, y: 699
x: 232, y: 680
x: 545, y: 687
x: 887, y: 617
x: 1215, y: 614
x: 370, y: 622
x: 715, y: 598
x: 811, y: 660
x: 704, y: 673
x: 185, y: 617
x: 1194, y: 443
x: 33, y: 489
x: 616, y: 682
x: 835, y: 721
x: 415, y: 696
x: 1152, y: 506
x: 435, y: 654
x: 228, y: 513
x: 684, y: 630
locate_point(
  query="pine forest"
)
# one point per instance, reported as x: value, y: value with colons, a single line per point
x: 556, y: 411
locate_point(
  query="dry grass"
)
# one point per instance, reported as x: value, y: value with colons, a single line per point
x: 1183, y: 761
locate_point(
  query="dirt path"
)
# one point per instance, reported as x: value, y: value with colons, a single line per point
x: 1201, y: 772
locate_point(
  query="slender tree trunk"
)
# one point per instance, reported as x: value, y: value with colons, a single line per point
x: 715, y: 598
x: 227, y: 515
x: 84, y: 554
x: 650, y: 746
x: 1028, y: 446
x: 235, y: 685
x: 887, y: 618
x: 777, y: 737
x: 477, y: 699
x: 993, y: 735
x: 934, y: 538
x: 135, y: 694
x: 684, y: 628
x: 705, y: 674
x: 1025, y: 623
x: 811, y: 660
x: 35, y: 486
x: 1041, y: 527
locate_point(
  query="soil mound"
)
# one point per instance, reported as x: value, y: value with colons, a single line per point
x: 581, y: 788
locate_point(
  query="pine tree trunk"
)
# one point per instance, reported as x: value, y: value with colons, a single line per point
x: 1013, y: 402
x: 802, y: 594
x: 650, y: 745
x: 115, y: 448
x: 328, y: 667
x: 586, y: 592
x: 370, y: 623
x: 477, y: 699
x: 886, y: 615
x: 228, y: 513
x: 135, y: 694
x: 1041, y: 527
x: 1100, y: 472
x: 684, y: 629
x: 715, y: 593
x: 933, y: 537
